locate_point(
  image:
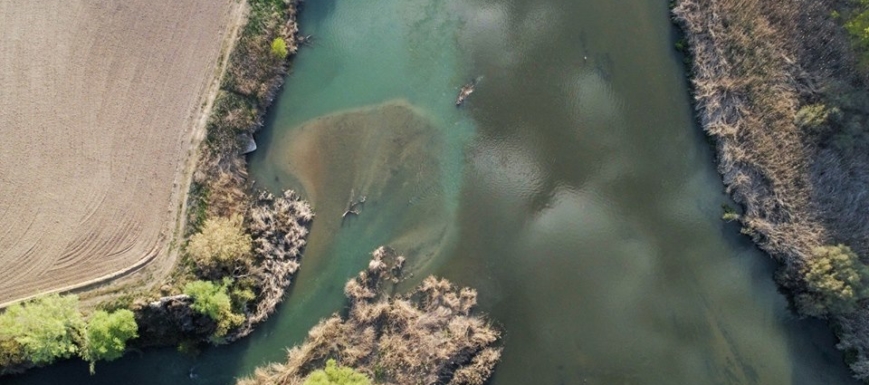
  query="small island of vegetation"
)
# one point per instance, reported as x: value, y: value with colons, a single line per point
x: 428, y: 336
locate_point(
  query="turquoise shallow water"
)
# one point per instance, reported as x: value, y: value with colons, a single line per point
x: 574, y: 191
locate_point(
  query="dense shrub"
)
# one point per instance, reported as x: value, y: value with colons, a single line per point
x: 279, y: 48
x: 814, y: 117
x: 858, y: 26
x: 11, y: 353
x: 836, y: 280
x: 337, y: 375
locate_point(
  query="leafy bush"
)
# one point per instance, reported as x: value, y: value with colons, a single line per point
x: 213, y: 301
x: 857, y: 25
x: 730, y: 214
x: 337, y: 375
x: 814, y: 117
x: 221, y: 243
x: 107, y: 335
x: 836, y: 280
x: 279, y: 48
x: 44, y: 329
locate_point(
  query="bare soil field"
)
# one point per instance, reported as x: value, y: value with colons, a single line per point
x: 99, y: 104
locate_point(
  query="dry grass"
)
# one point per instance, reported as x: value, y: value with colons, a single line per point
x: 756, y: 64
x: 429, y: 336
x: 279, y: 226
x: 250, y: 83
x: 97, y: 111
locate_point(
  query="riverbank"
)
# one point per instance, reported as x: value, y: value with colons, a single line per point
x: 245, y: 245
x: 240, y: 246
x: 781, y: 91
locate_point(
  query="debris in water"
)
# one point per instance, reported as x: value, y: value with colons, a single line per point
x: 466, y: 91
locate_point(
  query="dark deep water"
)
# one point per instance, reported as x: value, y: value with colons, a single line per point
x: 574, y: 191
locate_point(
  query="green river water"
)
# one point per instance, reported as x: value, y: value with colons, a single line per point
x: 574, y: 191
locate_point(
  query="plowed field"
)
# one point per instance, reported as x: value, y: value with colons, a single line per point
x: 98, y: 100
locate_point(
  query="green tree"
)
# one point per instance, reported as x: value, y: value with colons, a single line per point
x: 213, y: 301
x: 279, y: 48
x: 337, y: 375
x: 836, y: 280
x: 857, y: 26
x: 107, y: 335
x: 222, y: 242
x: 45, y: 328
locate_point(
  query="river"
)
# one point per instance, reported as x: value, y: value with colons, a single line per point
x: 574, y: 191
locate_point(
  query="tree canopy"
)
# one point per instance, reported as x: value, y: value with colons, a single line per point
x: 836, y: 279
x: 221, y: 242
x: 108, y: 333
x: 213, y: 301
x: 46, y: 328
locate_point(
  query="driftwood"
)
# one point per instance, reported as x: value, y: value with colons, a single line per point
x: 354, y: 207
x: 467, y: 90
x: 164, y: 300
x: 304, y: 39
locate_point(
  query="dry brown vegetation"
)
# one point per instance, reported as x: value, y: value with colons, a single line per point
x: 429, y: 336
x: 778, y: 85
x: 249, y: 85
x: 280, y: 228
x: 98, y: 108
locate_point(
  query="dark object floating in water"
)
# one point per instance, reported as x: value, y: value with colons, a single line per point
x: 466, y: 91
x: 354, y: 206
x: 304, y: 39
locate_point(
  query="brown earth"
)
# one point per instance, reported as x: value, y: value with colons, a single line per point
x: 99, y: 111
